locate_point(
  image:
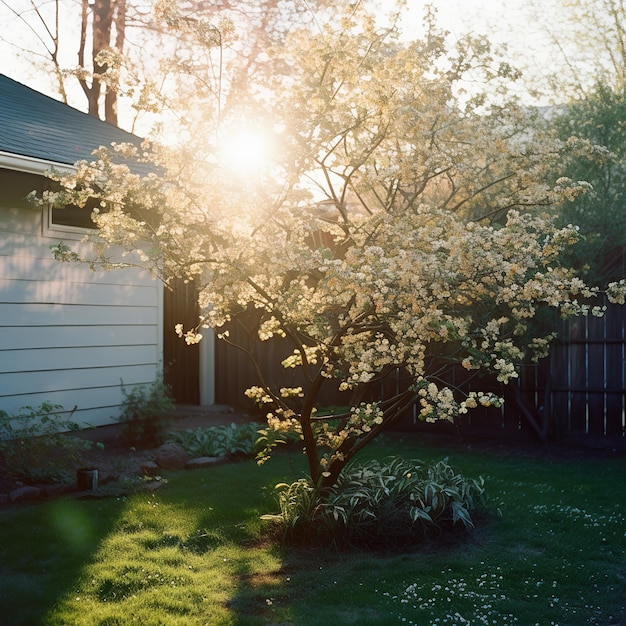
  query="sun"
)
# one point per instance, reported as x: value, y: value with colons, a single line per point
x: 246, y: 149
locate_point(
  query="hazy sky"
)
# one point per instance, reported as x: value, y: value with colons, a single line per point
x: 504, y: 21
x: 513, y: 23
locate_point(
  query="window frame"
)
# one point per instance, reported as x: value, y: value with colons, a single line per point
x: 51, y: 228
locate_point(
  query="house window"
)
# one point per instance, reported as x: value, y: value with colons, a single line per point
x: 72, y: 216
x: 69, y: 220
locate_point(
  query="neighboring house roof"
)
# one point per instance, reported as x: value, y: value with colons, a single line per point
x: 37, y: 131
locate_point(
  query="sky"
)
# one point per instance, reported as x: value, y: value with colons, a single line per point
x: 510, y: 23
x: 505, y: 21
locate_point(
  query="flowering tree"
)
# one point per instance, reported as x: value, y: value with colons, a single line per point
x: 397, y: 228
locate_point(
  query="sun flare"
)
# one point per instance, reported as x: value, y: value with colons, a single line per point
x: 246, y: 150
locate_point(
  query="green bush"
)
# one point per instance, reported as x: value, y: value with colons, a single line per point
x: 393, y: 504
x: 225, y: 440
x: 36, y: 447
x: 144, y: 413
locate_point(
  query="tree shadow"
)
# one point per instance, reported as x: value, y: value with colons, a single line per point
x: 186, y: 550
x: 43, y: 550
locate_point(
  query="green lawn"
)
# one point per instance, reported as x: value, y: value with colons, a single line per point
x: 191, y: 554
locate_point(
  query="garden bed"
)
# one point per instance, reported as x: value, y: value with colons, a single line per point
x: 121, y: 468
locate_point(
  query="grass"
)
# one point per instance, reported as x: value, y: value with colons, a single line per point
x: 193, y: 554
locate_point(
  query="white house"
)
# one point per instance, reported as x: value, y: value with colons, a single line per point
x: 69, y: 335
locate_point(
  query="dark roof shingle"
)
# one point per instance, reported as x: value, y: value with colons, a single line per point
x: 37, y: 126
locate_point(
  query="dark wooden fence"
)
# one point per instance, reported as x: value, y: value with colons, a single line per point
x: 181, y: 363
x: 235, y: 371
x: 584, y: 378
x: 578, y: 392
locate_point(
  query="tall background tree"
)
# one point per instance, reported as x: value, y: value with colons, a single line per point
x: 588, y: 47
x: 98, y: 34
x: 108, y: 36
x: 585, y: 86
x: 129, y: 56
x: 595, y: 127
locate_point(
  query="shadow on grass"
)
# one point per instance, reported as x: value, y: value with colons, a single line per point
x: 43, y: 550
x: 229, y: 536
x: 189, y: 554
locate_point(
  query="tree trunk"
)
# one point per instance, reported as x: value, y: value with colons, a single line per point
x: 104, y: 14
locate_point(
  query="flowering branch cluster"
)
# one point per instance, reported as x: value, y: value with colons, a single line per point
x: 418, y: 293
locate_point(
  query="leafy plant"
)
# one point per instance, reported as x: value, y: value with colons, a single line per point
x: 270, y: 438
x: 297, y: 503
x: 224, y: 440
x: 35, y: 445
x: 391, y: 504
x: 144, y: 412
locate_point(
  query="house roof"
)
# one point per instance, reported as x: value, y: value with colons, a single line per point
x: 36, y: 128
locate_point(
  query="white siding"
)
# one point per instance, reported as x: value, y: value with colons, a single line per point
x: 68, y: 335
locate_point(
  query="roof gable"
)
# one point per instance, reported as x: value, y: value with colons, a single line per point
x: 36, y: 126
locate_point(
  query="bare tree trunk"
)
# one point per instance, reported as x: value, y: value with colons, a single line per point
x: 110, y: 99
x: 90, y: 93
x: 54, y: 53
x: 102, y: 14
x: 101, y: 39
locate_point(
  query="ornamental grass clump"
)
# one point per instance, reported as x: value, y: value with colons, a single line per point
x: 393, y: 504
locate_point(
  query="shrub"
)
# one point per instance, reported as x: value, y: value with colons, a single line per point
x: 393, y: 504
x: 225, y: 440
x: 144, y: 412
x: 35, y: 445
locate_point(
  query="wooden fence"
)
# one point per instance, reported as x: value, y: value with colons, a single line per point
x: 578, y: 392
x: 584, y: 378
x: 181, y: 363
